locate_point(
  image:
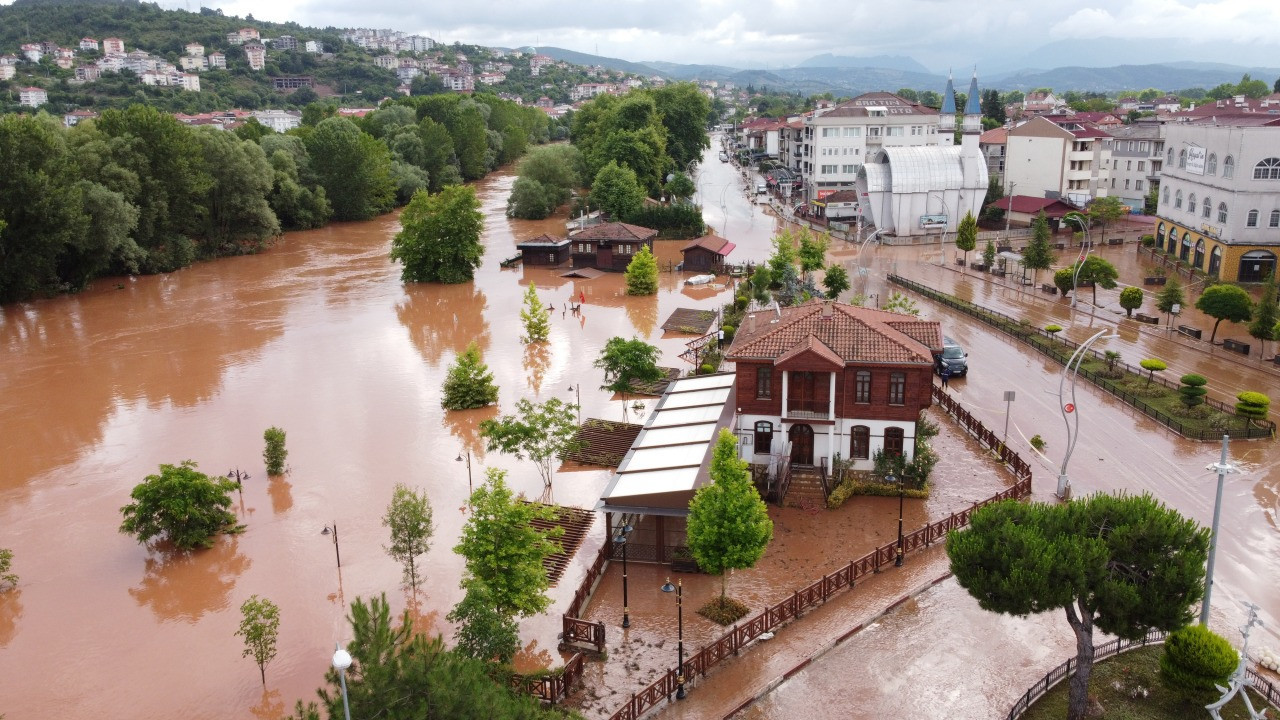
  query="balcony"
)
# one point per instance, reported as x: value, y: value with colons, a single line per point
x: 807, y: 409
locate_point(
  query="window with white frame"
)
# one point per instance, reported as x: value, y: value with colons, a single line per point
x: 1177, y: 200
x: 849, y: 169
x: 873, y: 132
x: 830, y: 132
x: 1229, y: 167
x: 1191, y: 203
x: 917, y: 129
x: 853, y: 132
x: 894, y: 131
x: 1222, y: 212
x: 828, y: 169
x: 1267, y: 169
x: 1142, y: 165
x: 1251, y: 220
x: 1137, y: 184
x: 1211, y: 166
x: 1275, y: 219
x: 1208, y: 208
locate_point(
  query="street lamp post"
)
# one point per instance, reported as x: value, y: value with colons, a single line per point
x: 678, y: 589
x: 1008, y: 194
x: 577, y: 394
x: 898, y: 561
x: 622, y: 540
x: 342, y: 661
x: 336, y: 552
x: 1009, y: 396
x: 1069, y: 408
x: 239, y: 477
x: 468, y: 459
x: 1223, y: 468
x: 1088, y: 247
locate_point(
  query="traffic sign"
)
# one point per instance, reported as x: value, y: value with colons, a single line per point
x: 1070, y: 408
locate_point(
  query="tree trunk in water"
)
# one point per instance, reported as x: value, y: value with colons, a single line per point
x: 1214, y: 334
x: 1078, y: 691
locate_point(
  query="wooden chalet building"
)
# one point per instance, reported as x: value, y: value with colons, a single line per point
x: 609, y: 246
x: 825, y: 378
x: 544, y: 250
x: 706, y: 253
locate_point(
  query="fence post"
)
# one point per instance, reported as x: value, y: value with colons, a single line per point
x: 734, y: 635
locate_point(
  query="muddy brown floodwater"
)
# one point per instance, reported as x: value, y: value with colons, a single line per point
x: 317, y: 336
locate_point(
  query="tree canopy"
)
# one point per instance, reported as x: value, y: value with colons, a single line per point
x: 469, y: 383
x: 260, y: 628
x: 729, y: 525
x: 967, y: 235
x: 642, y: 273
x: 181, y: 505
x: 1038, y: 255
x: 1225, y: 302
x: 616, y: 191
x: 440, y: 236
x: 1125, y: 565
x: 627, y: 362
x: 408, y: 521
x: 540, y: 432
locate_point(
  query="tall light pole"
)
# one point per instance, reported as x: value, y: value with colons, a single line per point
x: 622, y: 540
x: 1007, y: 213
x: 898, y: 561
x: 1223, y: 468
x: 337, y: 554
x: 468, y: 459
x: 1009, y: 396
x: 1069, y: 408
x: 1088, y: 247
x: 678, y: 589
x: 577, y: 394
x: 342, y: 661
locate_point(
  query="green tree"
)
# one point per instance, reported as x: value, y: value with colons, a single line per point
x: 1099, y: 272
x: 989, y: 254
x: 504, y: 550
x: 537, y: 326
x: 541, y: 433
x: 469, y: 383
x: 1131, y: 299
x: 1151, y: 200
x: 681, y: 188
x: 440, y: 239
x: 274, y: 452
x: 900, y: 303
x: 484, y: 632
x: 1125, y: 565
x: 1225, y: 302
x: 682, y: 109
x: 409, y: 520
x: 260, y: 628
x: 616, y: 191
x: 642, y: 273
x: 531, y: 200
x: 812, y: 250
x: 627, y: 362
x: 992, y: 107
x: 1106, y: 210
x: 1038, y: 255
x: 1153, y: 366
x: 238, y: 218
x: 1192, y: 391
x: 1265, y: 315
x: 1064, y: 280
x: 784, y: 254
x: 729, y: 526
x: 1196, y: 660
x: 399, y: 671
x: 967, y: 235
x: 181, y: 505
x: 6, y: 564
x: 836, y: 281
x: 353, y: 167
x: 1169, y: 296
x: 1252, y: 405
x: 995, y: 192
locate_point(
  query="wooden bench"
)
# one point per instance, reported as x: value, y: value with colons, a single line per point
x: 1235, y: 346
x: 1049, y: 288
x: 1115, y: 241
x: 1059, y: 246
x: 1148, y: 319
x: 960, y: 261
x: 1154, y: 280
x: 1191, y: 332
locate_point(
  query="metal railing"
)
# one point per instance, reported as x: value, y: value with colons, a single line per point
x: 1061, y: 349
x: 1066, y: 669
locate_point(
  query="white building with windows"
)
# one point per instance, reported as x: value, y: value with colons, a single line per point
x: 1219, y: 208
x: 1137, y: 156
x: 1061, y: 160
x: 831, y: 146
x: 32, y: 97
x: 925, y: 189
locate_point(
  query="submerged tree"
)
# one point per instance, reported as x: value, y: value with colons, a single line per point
x: 1225, y: 302
x: 409, y: 520
x: 440, y: 239
x: 181, y: 505
x: 260, y: 628
x: 1125, y: 565
x: 540, y: 432
x: 469, y: 383
x: 642, y: 273
x: 967, y: 235
x: 537, y: 326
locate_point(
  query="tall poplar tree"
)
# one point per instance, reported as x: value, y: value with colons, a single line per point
x: 409, y: 520
x: 967, y: 235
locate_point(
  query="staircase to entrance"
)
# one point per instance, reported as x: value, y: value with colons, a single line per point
x: 806, y: 489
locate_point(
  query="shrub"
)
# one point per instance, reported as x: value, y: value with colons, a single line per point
x: 1195, y: 659
x: 1252, y: 405
x: 275, y: 453
x: 706, y: 369
x: 1038, y: 442
x: 1153, y: 366
x: 1053, y: 329
x: 1192, y: 390
x: 728, y: 332
x: 740, y: 303
x: 1148, y: 240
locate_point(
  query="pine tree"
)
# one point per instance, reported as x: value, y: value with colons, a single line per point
x: 536, y: 319
x: 642, y: 273
x: 1038, y: 256
x: 1265, y: 315
x: 469, y: 383
x: 967, y: 235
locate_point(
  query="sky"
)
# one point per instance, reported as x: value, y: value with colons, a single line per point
x: 782, y: 33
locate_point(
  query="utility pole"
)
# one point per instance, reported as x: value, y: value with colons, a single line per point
x: 1008, y: 212
x: 1223, y: 468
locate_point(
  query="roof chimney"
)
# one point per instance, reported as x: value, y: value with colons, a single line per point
x: 826, y: 309
x: 751, y: 323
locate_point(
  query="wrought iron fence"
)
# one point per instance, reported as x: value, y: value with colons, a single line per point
x: 1061, y: 349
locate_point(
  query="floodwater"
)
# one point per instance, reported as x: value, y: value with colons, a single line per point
x: 317, y: 336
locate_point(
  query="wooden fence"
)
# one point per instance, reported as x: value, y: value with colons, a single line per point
x: 1263, y: 686
x: 818, y: 592
x: 1061, y: 349
x: 552, y: 686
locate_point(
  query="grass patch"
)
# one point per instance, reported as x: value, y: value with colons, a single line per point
x: 723, y: 610
x: 1128, y: 687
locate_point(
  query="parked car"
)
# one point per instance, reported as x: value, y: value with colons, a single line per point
x: 953, y: 357
x: 724, y: 156
x: 761, y: 189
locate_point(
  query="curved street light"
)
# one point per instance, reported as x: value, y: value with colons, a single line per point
x: 678, y: 589
x: 1069, y: 408
x: 1088, y: 247
x: 342, y: 661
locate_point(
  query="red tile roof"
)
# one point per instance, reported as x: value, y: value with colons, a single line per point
x: 543, y: 240
x: 994, y: 136
x: 857, y: 107
x: 714, y: 243
x: 1033, y: 205
x: 849, y: 333
x: 814, y: 346
x: 616, y: 231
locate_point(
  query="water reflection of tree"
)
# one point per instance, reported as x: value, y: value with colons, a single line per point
x: 465, y: 425
x: 281, y: 493
x: 531, y: 656
x: 10, y: 613
x: 184, y: 586
x: 443, y: 318
x: 643, y: 313
x: 270, y: 706
x: 536, y: 358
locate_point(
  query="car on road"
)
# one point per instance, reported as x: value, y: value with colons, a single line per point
x: 724, y: 156
x: 953, y: 357
x: 761, y: 188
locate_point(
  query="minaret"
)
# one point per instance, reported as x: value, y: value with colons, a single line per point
x: 973, y: 108
x: 947, y: 121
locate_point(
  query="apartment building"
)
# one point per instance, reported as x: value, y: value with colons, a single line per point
x: 1066, y: 159
x: 1137, y: 156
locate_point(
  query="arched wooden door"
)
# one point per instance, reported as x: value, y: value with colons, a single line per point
x: 801, y: 437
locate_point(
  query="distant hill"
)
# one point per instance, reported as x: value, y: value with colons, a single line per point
x: 1128, y: 77
x: 588, y: 60
x: 677, y: 71
x: 889, y: 62
x: 1112, y: 52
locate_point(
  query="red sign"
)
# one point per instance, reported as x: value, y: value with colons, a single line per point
x: 824, y: 193
x: 1070, y: 408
